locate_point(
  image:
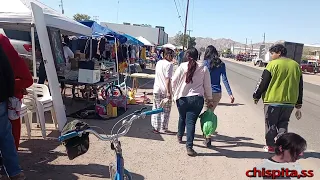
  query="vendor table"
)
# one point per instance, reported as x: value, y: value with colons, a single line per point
x: 95, y: 87
x: 134, y: 77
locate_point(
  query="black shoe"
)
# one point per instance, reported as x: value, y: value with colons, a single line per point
x: 191, y: 152
x: 207, y: 142
x: 179, y: 139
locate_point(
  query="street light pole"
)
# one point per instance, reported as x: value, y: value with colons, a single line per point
x: 185, y: 26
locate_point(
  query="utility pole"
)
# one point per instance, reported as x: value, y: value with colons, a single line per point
x: 251, y: 47
x: 61, y: 5
x: 188, y: 38
x: 185, y: 26
x: 245, y: 48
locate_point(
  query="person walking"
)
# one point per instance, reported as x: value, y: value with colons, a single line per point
x: 8, y: 149
x: 217, y: 71
x: 281, y: 87
x: 162, y: 90
x: 23, y: 79
x: 190, y: 84
x: 180, y: 56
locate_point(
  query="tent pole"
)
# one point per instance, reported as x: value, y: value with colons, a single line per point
x: 117, y: 61
x: 90, y: 48
x: 33, y: 45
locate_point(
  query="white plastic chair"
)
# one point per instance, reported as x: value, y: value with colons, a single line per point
x: 41, y: 94
x: 24, y: 115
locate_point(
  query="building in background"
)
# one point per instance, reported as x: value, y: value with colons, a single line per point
x: 239, y: 50
x: 155, y: 35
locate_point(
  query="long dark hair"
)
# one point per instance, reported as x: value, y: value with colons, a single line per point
x: 167, y: 53
x: 191, y: 56
x: 212, y: 56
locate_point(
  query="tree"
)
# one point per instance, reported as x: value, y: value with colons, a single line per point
x: 81, y: 17
x: 178, y: 39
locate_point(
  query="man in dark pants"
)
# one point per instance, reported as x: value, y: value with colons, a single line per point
x: 281, y: 88
x: 9, y: 156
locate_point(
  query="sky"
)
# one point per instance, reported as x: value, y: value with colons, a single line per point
x: 290, y: 20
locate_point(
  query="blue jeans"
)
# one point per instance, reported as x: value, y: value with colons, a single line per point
x: 8, y: 149
x: 189, y: 109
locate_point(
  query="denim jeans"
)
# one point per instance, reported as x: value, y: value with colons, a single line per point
x: 7, y: 147
x: 189, y: 109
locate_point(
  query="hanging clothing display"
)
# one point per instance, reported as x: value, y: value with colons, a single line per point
x: 108, y: 49
x: 101, y: 47
x: 124, y: 52
x: 144, y: 53
x: 133, y: 53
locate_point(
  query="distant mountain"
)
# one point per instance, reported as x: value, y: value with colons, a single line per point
x: 221, y: 43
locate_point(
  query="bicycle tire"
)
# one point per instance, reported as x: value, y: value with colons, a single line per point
x: 127, y: 175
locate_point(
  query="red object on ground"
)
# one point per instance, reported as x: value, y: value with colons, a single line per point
x: 16, y: 131
x: 23, y: 80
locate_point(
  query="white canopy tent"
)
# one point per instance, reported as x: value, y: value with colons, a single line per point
x: 25, y: 15
x: 17, y: 14
x: 145, y: 41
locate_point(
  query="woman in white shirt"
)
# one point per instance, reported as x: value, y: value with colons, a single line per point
x: 191, y: 84
x: 162, y: 90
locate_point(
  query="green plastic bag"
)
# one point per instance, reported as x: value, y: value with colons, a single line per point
x: 208, y: 122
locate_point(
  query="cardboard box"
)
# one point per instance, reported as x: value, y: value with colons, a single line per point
x: 89, y: 76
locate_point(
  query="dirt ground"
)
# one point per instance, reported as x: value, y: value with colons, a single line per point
x: 237, y: 147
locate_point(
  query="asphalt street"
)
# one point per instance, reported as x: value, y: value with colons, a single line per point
x: 243, y: 79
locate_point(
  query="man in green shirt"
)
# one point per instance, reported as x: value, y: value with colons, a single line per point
x: 281, y: 88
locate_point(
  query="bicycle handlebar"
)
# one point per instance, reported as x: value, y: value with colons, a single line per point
x: 136, y: 115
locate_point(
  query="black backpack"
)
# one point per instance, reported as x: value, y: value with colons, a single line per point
x: 76, y: 146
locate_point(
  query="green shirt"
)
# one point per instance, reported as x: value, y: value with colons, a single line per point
x: 284, y: 84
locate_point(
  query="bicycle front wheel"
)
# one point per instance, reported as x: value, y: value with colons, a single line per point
x: 115, y: 176
x: 127, y: 175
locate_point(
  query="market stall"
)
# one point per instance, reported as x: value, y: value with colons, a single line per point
x: 98, y: 74
x: 23, y: 15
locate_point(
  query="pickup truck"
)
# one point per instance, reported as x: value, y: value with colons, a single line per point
x: 294, y: 51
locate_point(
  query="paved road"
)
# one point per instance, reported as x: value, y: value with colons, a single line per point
x: 243, y: 79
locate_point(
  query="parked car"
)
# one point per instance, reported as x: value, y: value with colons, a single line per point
x: 308, y: 67
x: 240, y: 57
x: 20, y: 40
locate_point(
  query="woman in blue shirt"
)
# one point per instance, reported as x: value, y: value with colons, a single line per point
x: 217, y: 70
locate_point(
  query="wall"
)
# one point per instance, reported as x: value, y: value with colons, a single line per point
x: 151, y: 34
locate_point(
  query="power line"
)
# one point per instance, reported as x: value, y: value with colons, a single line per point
x: 175, y: 3
x: 181, y: 8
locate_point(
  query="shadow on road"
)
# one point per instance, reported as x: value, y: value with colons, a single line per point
x: 231, y: 142
x: 229, y: 104
x: 37, y: 155
x: 70, y: 172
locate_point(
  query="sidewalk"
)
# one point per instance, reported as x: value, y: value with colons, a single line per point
x: 310, y: 78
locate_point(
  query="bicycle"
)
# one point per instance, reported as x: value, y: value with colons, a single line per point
x: 117, y: 172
